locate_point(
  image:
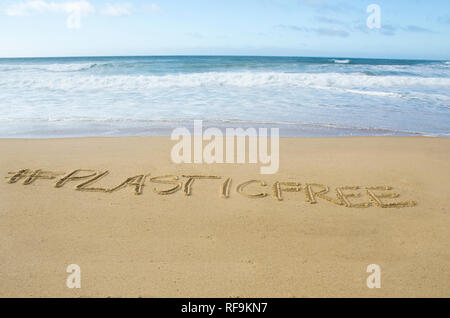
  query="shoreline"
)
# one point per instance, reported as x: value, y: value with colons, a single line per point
x: 164, y: 129
x: 171, y: 142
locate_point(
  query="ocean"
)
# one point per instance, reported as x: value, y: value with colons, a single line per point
x: 134, y: 96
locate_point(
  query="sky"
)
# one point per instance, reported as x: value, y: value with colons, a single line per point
x: 411, y: 29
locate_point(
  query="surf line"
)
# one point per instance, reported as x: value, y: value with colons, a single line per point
x: 375, y: 196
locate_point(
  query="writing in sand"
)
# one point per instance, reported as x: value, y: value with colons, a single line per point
x: 85, y: 180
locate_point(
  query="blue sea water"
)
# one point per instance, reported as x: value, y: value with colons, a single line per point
x: 122, y: 96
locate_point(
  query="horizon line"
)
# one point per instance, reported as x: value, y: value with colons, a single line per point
x: 217, y: 55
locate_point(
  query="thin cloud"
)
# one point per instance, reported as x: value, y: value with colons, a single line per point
x: 444, y: 19
x: 74, y: 10
x: 390, y: 30
x: 417, y: 29
x: 333, y: 31
x: 39, y: 6
x: 292, y: 27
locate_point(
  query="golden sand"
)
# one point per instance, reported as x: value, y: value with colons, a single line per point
x: 139, y: 225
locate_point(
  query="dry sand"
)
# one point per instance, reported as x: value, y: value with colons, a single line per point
x: 202, y: 245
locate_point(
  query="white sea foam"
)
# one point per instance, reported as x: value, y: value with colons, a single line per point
x: 219, y: 79
x: 69, y: 67
x: 114, y: 95
x: 341, y: 61
x: 374, y: 93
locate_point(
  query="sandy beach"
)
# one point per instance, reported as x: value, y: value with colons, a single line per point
x: 296, y: 233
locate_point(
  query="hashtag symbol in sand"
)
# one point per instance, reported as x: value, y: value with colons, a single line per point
x: 30, y: 176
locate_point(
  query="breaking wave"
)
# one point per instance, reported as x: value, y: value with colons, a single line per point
x: 341, y: 61
x: 70, y: 67
x: 220, y: 79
